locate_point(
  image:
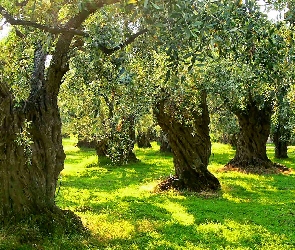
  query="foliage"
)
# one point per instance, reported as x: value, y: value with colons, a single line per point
x: 223, y: 124
x: 257, y: 66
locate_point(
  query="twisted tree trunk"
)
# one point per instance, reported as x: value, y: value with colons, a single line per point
x: 191, y: 147
x: 251, y: 144
x: 31, y: 152
x: 32, y: 155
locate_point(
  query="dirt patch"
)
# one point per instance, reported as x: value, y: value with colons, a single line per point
x: 274, y: 168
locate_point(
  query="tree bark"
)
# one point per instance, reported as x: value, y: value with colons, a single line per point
x: 143, y: 140
x: 281, y: 145
x: 190, y: 145
x: 32, y: 155
x: 251, y: 144
x: 164, y: 143
x: 31, y: 152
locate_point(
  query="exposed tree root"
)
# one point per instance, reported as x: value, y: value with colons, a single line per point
x: 168, y: 183
x: 173, y: 182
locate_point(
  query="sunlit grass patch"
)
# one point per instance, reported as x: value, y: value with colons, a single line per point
x: 243, y: 236
x: 122, y: 210
x: 178, y: 213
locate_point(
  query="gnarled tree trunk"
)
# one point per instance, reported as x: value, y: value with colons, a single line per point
x: 32, y: 155
x: 190, y: 145
x: 251, y: 144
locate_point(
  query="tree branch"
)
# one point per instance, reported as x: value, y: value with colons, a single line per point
x: 122, y: 45
x: 53, y: 30
x: 59, y: 64
x: 90, y: 8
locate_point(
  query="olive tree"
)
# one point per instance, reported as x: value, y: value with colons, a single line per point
x: 32, y: 155
x: 247, y: 74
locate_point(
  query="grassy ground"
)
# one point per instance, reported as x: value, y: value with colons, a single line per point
x: 121, y: 210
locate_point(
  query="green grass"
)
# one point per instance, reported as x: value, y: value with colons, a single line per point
x: 122, y: 211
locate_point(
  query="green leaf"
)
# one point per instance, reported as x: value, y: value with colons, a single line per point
x: 146, y: 2
x: 187, y: 32
x: 234, y: 29
x: 156, y: 6
x: 197, y: 24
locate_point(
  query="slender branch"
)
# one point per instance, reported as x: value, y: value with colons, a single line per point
x: 122, y: 45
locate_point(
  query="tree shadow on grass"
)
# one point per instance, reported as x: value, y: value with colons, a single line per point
x: 110, y: 178
x: 251, y: 211
x: 192, y: 222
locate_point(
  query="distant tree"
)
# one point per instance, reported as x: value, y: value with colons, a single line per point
x: 224, y: 126
x: 282, y: 124
x: 144, y: 129
x: 247, y: 74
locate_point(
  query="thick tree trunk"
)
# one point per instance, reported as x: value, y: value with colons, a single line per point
x: 31, y: 156
x: 191, y: 148
x: 281, y: 145
x: 31, y: 152
x: 143, y: 140
x: 130, y: 123
x: 251, y: 145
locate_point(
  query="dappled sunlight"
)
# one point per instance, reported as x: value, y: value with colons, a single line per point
x: 149, y: 187
x: 233, y: 232
x: 239, y: 187
x: 81, y: 162
x: 230, y: 197
x: 178, y: 213
x: 72, y: 197
x: 132, y: 191
x: 69, y: 145
x: 108, y: 230
x: 145, y: 226
x: 120, y: 207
